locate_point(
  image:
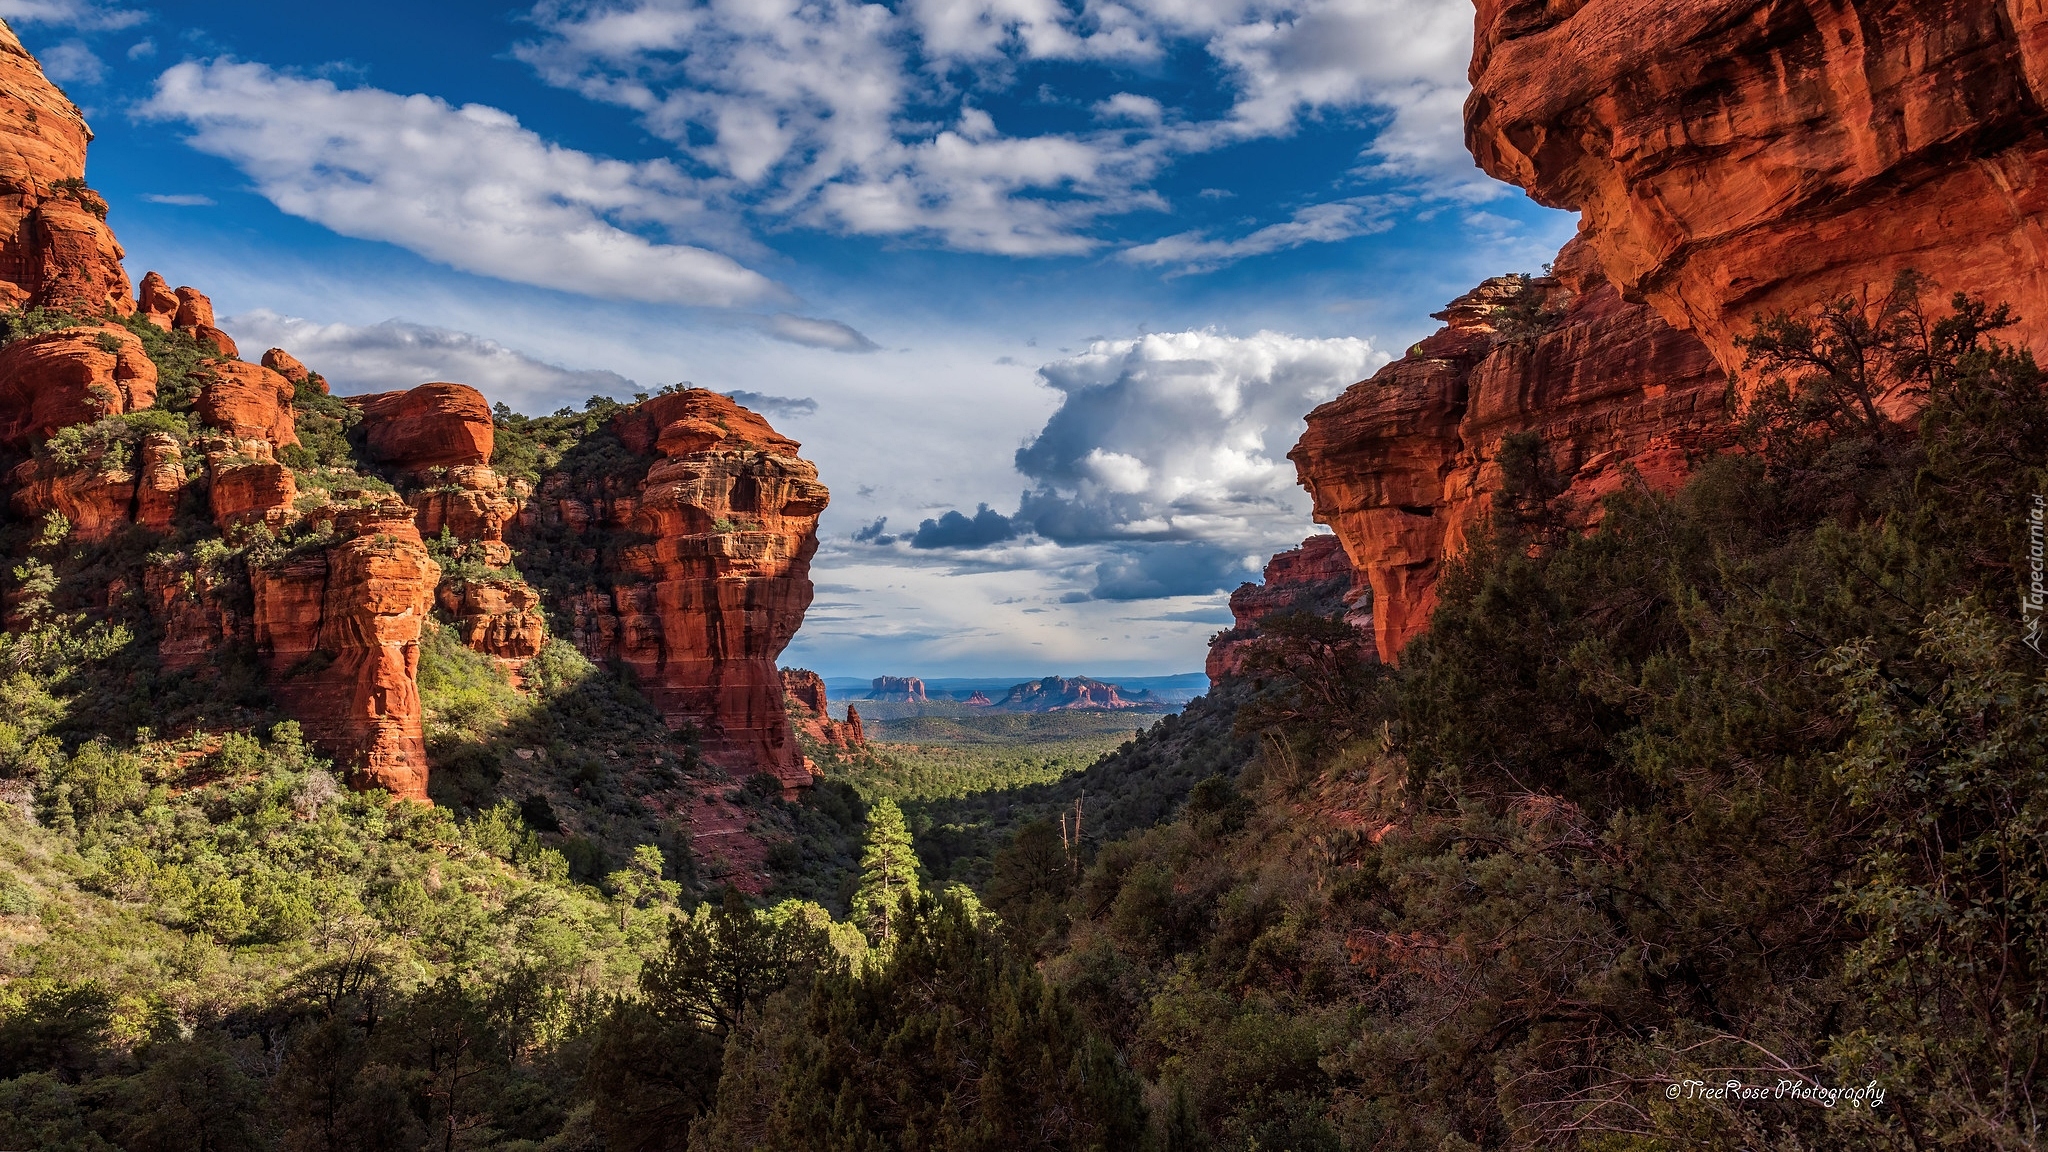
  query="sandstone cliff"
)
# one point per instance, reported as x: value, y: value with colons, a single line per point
x: 340, y: 629
x: 1731, y: 157
x: 1404, y: 465
x: 1316, y: 577
x: 702, y: 570
x: 55, y: 248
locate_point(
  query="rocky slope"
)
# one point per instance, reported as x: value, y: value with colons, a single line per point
x: 1731, y: 157
x: 1061, y: 693
x: 218, y: 507
x: 1316, y: 577
x: 1403, y: 465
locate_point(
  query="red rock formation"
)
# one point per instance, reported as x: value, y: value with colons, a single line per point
x: 499, y: 617
x: 250, y: 491
x: 898, y: 690
x: 699, y: 608
x: 1316, y: 577
x: 694, y: 420
x: 248, y: 402
x: 156, y: 302
x: 1731, y: 157
x: 340, y: 630
x: 55, y: 248
x: 978, y: 699
x: 474, y: 505
x: 432, y: 426
x: 1403, y: 465
x: 162, y: 481
x: 804, y: 692
x: 196, y: 609
x: 195, y: 319
x: 75, y: 376
x: 96, y: 497
x: 288, y: 366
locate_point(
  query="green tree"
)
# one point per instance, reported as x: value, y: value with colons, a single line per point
x: 888, y: 872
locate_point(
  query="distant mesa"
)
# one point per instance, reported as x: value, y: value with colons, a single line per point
x: 978, y: 699
x: 1059, y: 694
x: 898, y: 690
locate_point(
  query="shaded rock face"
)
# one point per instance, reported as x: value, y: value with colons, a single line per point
x: 340, y: 631
x: 475, y: 505
x: 76, y: 376
x: 498, y: 617
x: 97, y: 499
x: 436, y: 425
x: 804, y: 693
x: 1732, y: 157
x: 56, y: 250
x: 1404, y: 465
x: 1316, y: 577
x: 898, y: 689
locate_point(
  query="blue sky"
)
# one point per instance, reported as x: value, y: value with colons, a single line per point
x: 1044, y: 286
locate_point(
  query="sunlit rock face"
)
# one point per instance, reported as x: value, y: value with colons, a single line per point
x: 1403, y: 466
x: 340, y: 629
x: 56, y: 250
x: 1736, y: 157
x: 705, y: 558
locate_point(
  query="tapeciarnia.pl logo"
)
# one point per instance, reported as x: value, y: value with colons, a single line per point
x: 2034, y: 601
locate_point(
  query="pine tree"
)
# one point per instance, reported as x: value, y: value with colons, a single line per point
x: 888, y: 870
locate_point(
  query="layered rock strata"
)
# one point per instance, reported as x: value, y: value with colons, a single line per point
x: 340, y: 631
x: 1403, y: 466
x: 56, y: 250
x: 1736, y: 157
x: 708, y: 576
x: 73, y: 376
x: 1317, y: 578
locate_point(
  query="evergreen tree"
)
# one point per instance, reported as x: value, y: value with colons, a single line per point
x: 888, y: 872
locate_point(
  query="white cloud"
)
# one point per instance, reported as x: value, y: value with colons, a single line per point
x: 834, y: 113
x: 468, y: 186
x: 393, y: 355
x: 82, y: 14
x: 181, y: 199
x: 816, y: 333
x: 72, y: 63
x: 1183, y: 436
x: 1317, y: 224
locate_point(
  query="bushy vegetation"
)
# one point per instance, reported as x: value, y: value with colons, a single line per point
x: 1746, y: 785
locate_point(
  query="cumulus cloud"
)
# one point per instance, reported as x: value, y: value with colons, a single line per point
x: 1164, y: 470
x: 815, y: 333
x: 838, y: 114
x: 954, y: 530
x: 1316, y: 224
x: 466, y: 186
x: 394, y: 355
x: 774, y: 405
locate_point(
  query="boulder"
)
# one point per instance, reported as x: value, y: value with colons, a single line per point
x: 248, y: 402
x: 435, y: 425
